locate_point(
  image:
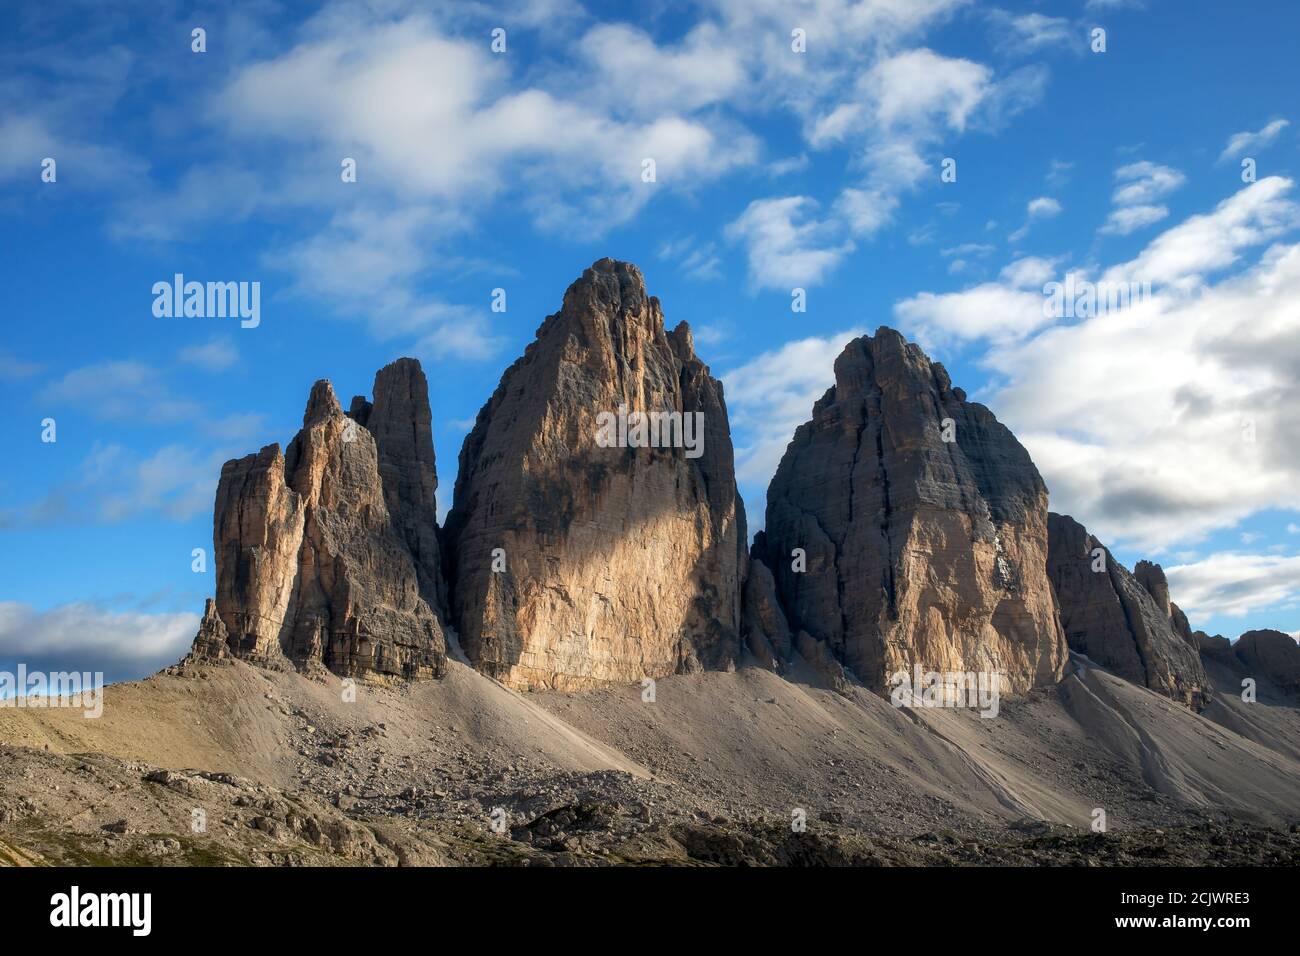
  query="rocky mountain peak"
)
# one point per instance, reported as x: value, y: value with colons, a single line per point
x: 322, y: 404
x: 577, y: 560
x: 326, y: 554
x: 906, y: 526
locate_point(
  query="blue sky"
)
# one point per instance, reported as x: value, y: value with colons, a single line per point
x: 1170, y: 429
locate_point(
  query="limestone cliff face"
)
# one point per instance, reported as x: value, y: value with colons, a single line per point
x: 1124, y: 622
x: 320, y: 551
x: 919, y: 550
x: 574, y: 563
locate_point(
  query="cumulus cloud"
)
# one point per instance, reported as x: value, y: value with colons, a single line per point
x: 772, y: 395
x: 989, y: 310
x: 644, y: 76
x: 1159, y: 423
x: 85, y: 636
x: 1234, y: 584
x: 787, y: 246
x: 429, y: 116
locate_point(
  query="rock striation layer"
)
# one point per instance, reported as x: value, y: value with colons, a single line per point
x: 575, y: 564
x: 1123, y: 621
x: 326, y: 554
x: 919, y: 551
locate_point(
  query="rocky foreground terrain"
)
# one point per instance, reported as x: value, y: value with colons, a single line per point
x: 464, y: 771
x: 591, y: 665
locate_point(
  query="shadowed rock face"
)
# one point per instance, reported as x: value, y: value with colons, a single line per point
x: 766, y: 631
x: 1124, y: 622
x: 1270, y: 654
x: 322, y: 553
x: 919, y: 551
x: 402, y: 425
x: 615, y: 563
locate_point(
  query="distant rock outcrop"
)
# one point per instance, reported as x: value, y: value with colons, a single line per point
x: 326, y: 554
x: 1121, y: 621
x: 1273, y: 655
x: 575, y: 563
x: 906, y: 526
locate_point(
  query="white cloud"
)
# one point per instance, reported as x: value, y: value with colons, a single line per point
x: 1128, y: 219
x: 980, y: 249
x: 369, y: 265
x: 1145, y: 182
x: 786, y: 246
x: 1240, y: 144
x: 85, y: 636
x: 114, y: 483
x: 1044, y: 207
x: 1031, y: 32
x: 1234, y: 584
x: 1207, y: 243
x: 1138, y: 187
x: 865, y: 212
x: 215, y: 355
x: 1138, y: 419
x: 119, y: 390
x: 1029, y: 272
x: 698, y: 260
x: 772, y: 395
x: 989, y: 310
x: 429, y: 117
x: 922, y: 89
x: 639, y: 75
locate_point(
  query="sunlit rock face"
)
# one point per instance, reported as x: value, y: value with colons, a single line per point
x: 326, y: 554
x: 574, y: 563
